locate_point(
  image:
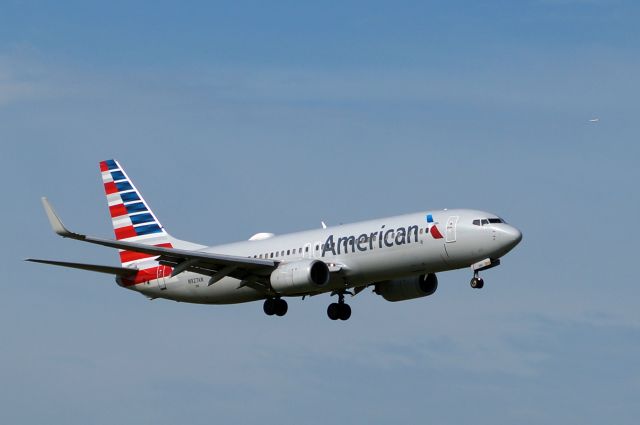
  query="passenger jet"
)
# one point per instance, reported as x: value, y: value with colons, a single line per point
x: 398, y: 256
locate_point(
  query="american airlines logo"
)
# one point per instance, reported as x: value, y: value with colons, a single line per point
x: 379, y: 239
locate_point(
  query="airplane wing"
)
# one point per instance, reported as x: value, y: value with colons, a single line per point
x: 215, y: 265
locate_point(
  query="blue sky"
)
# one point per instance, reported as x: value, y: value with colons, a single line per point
x: 240, y: 117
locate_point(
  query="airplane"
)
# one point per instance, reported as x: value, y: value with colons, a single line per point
x: 397, y: 256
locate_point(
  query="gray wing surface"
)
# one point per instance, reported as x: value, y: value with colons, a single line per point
x: 215, y: 265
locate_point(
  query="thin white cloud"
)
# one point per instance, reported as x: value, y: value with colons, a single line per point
x: 23, y: 79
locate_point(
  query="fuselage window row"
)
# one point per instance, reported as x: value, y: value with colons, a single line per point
x: 364, y: 239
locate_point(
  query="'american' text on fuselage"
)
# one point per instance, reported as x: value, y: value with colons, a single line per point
x: 365, y: 242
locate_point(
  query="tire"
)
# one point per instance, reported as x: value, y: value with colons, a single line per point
x: 344, y: 311
x: 269, y: 306
x: 333, y: 311
x: 480, y: 283
x: 474, y: 282
x: 281, y: 307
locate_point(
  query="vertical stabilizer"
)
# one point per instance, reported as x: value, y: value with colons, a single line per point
x: 133, y: 220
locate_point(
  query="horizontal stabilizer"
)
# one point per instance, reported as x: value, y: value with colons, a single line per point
x: 118, y: 271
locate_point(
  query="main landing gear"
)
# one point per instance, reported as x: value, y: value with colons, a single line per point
x: 339, y: 310
x: 477, y: 282
x: 276, y: 306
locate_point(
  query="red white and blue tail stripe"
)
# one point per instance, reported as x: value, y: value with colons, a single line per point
x: 133, y: 220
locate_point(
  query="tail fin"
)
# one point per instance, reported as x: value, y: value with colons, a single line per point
x: 133, y: 220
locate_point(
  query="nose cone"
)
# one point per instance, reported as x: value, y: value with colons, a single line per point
x: 510, y: 237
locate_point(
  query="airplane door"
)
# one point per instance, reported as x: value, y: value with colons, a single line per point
x: 452, y: 223
x: 161, y: 277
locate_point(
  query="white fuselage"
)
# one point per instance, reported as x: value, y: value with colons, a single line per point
x: 358, y: 254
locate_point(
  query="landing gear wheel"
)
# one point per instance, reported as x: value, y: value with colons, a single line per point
x: 281, y: 307
x: 477, y: 283
x: 339, y: 310
x: 269, y: 306
x: 333, y: 311
x: 344, y: 311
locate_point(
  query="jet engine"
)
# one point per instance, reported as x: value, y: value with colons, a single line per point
x: 299, y: 277
x: 407, y: 288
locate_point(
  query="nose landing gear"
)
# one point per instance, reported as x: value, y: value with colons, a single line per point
x: 339, y: 310
x: 487, y: 263
x: 477, y: 282
x: 276, y: 306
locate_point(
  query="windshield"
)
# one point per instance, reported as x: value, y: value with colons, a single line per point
x: 486, y: 221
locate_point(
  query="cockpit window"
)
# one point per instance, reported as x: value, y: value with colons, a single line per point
x: 486, y: 221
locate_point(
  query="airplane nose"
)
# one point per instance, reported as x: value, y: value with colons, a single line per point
x: 511, y: 237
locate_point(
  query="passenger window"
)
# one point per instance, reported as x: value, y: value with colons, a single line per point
x: 282, y: 253
x: 272, y: 255
x: 288, y: 252
x: 306, y: 249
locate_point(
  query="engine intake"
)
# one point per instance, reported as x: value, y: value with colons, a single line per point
x: 300, y: 276
x: 408, y: 288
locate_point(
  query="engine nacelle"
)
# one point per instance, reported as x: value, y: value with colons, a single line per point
x: 407, y: 288
x: 300, y: 276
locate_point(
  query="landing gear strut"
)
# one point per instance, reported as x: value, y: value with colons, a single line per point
x: 276, y: 306
x: 477, y: 282
x: 339, y: 310
x: 487, y: 263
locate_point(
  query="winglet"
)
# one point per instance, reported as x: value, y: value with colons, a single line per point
x: 55, y: 222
